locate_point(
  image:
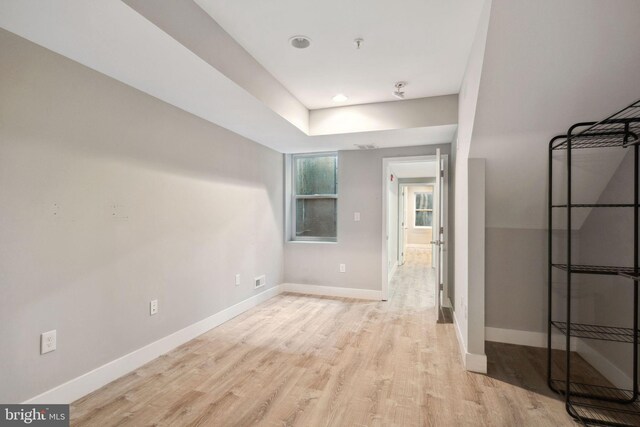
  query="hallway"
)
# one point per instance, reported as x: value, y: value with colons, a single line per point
x: 415, y: 278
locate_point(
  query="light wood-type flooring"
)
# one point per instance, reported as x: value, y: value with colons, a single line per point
x: 299, y: 360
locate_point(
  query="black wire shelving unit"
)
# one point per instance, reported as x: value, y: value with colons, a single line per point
x: 593, y: 404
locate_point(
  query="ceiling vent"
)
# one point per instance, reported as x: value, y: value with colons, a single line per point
x: 366, y: 146
x: 300, y: 42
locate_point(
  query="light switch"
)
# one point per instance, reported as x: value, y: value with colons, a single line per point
x: 356, y: 216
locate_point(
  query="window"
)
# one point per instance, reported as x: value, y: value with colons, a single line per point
x: 315, y: 196
x: 424, y: 209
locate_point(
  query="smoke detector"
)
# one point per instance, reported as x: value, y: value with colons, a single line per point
x: 399, y: 93
x: 300, y: 42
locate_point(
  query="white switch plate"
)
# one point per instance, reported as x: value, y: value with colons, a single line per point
x: 343, y: 268
x: 237, y: 280
x: 48, y: 342
x: 153, y: 307
x: 356, y: 216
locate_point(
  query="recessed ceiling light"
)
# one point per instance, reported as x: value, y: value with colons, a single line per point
x: 300, y: 42
x: 340, y: 98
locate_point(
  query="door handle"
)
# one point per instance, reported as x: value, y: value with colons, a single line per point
x: 436, y: 242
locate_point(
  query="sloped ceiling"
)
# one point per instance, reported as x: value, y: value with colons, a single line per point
x: 547, y: 65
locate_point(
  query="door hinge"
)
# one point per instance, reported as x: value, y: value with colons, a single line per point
x: 442, y: 286
x: 441, y: 230
x: 441, y: 173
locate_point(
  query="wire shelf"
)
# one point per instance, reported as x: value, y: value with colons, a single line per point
x: 600, y: 405
x: 630, y: 276
x: 589, y: 403
x: 599, y: 269
x: 596, y: 205
x: 620, y: 130
x: 597, y: 332
x: 597, y: 413
x: 601, y: 140
x: 592, y: 391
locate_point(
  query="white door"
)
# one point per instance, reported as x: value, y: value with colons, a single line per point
x: 443, y: 204
x: 436, y: 242
x: 402, y: 223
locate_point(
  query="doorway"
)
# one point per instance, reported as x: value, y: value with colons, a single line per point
x: 415, y: 222
x: 415, y: 217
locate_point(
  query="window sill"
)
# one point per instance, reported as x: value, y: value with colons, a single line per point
x: 306, y: 242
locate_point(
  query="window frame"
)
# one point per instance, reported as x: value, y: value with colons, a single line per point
x: 295, y: 197
x: 416, y: 210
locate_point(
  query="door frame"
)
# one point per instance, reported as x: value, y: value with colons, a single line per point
x: 402, y: 218
x: 386, y: 161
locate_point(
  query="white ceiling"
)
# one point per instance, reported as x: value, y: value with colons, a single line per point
x: 424, y: 42
x: 423, y: 169
x: 140, y: 54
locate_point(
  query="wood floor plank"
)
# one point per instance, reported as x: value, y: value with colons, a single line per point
x: 300, y: 360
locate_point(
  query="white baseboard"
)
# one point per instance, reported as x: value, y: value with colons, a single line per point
x: 610, y: 371
x: 461, y: 344
x: 93, y: 380
x: 471, y: 361
x: 475, y: 362
x: 393, y: 270
x: 332, y: 291
x: 528, y: 338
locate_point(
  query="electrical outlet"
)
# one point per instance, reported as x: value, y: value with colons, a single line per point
x: 48, y: 342
x: 260, y: 281
x: 153, y: 307
x: 237, y: 280
x: 356, y: 216
x: 343, y: 268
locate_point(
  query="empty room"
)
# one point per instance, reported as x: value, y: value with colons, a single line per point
x: 319, y: 213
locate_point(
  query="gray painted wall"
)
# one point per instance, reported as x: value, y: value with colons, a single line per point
x: 561, y: 86
x: 606, y: 238
x: 110, y: 198
x: 359, y: 243
x: 516, y: 277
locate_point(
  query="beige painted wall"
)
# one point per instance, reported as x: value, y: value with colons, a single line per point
x: 110, y: 198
